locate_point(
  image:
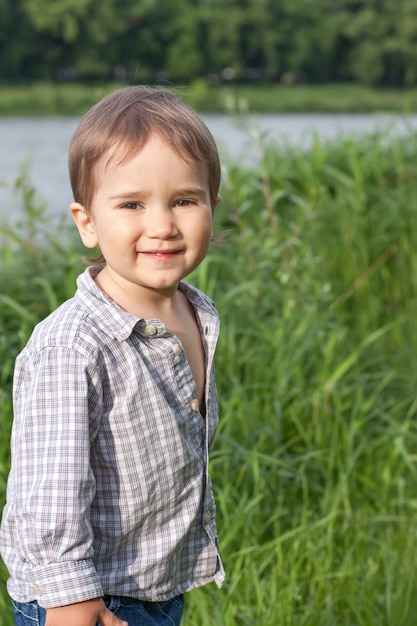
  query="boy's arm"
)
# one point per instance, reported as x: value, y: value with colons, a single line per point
x: 53, y: 481
x: 83, y: 614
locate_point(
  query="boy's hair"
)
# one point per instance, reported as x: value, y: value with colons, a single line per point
x: 123, y: 122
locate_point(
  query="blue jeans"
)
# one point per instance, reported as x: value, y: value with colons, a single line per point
x: 134, y: 612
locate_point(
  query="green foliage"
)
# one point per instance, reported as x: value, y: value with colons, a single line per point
x: 380, y: 41
x: 59, y: 18
x: 314, y: 463
x: 314, y: 41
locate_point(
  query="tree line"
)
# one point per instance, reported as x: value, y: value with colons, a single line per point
x: 373, y: 42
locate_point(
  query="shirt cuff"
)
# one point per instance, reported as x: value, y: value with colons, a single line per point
x: 59, y: 584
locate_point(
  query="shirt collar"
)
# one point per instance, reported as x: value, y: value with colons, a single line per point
x: 114, y: 320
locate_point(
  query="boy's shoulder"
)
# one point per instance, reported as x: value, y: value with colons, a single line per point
x: 60, y: 328
x: 82, y: 323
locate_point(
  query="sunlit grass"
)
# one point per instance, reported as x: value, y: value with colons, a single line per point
x: 74, y: 99
x: 314, y: 465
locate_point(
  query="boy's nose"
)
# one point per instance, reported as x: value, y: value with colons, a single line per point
x: 161, y: 224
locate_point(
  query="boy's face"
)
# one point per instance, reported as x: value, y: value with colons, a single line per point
x: 151, y: 218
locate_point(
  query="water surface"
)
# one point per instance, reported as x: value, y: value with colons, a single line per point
x: 41, y: 146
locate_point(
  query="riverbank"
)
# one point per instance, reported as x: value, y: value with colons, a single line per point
x: 74, y: 99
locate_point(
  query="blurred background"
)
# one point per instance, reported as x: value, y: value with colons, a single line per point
x: 230, y: 41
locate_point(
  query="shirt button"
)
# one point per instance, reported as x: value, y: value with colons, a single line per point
x: 206, y: 517
x: 37, y: 590
x: 194, y: 405
x: 150, y: 330
x: 176, y: 350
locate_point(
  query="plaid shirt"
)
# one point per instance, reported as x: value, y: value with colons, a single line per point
x: 109, y: 490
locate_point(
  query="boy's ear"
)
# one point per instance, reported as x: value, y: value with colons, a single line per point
x: 84, y: 224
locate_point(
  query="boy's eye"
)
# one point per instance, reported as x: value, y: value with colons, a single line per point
x: 132, y: 205
x: 184, y: 202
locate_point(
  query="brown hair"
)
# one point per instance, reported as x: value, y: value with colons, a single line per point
x: 124, y: 120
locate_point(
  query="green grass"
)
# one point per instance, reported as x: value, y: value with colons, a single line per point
x: 314, y: 465
x: 74, y: 99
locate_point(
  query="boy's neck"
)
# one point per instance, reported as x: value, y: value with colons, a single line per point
x: 141, y: 301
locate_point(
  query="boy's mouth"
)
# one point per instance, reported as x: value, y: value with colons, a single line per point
x: 161, y: 254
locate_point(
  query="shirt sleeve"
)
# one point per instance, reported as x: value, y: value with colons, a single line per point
x: 55, y: 401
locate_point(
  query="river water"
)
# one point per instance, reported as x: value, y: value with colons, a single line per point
x: 40, y: 146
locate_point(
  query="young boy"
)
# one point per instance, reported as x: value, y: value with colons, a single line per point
x: 110, y: 513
